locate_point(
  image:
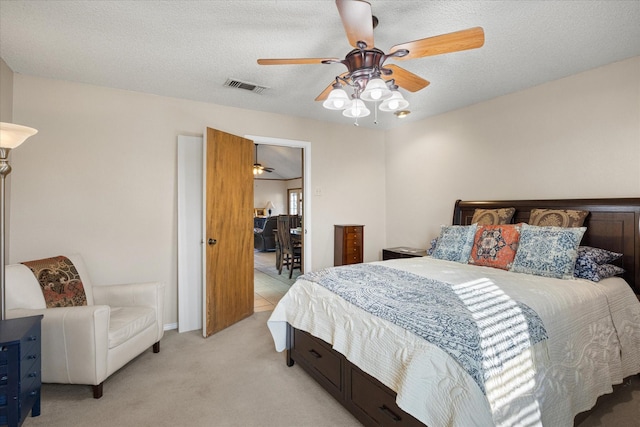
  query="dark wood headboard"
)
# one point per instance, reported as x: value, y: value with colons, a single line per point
x: 612, y: 224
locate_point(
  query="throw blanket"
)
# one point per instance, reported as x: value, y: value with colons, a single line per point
x: 483, y: 333
x: 60, y: 281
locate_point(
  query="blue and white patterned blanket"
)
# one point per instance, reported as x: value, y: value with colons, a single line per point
x: 480, y: 340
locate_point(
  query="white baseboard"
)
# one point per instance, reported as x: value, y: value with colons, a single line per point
x: 170, y: 326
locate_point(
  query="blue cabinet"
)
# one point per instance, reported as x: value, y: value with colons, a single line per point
x: 20, y: 368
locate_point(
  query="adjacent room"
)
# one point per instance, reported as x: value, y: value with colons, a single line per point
x: 253, y: 213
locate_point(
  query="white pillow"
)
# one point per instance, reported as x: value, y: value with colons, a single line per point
x: 22, y: 288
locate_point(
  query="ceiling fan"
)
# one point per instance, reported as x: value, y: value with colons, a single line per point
x: 367, y: 76
x: 257, y: 167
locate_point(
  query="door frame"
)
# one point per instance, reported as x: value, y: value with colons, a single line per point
x: 306, y: 187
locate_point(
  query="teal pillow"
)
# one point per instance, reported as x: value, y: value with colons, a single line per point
x: 455, y: 243
x: 548, y: 251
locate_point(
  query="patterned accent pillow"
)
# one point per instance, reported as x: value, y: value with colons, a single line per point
x: 495, y: 245
x: 492, y: 216
x: 595, y: 272
x: 59, y: 280
x: 593, y: 264
x: 557, y: 217
x: 548, y: 251
x: 455, y: 242
x: 434, y: 243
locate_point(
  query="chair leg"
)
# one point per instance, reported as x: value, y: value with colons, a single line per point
x: 97, y: 391
x: 156, y: 347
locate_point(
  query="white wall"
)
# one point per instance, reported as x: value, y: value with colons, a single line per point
x: 99, y: 178
x: 6, y: 92
x: 273, y: 190
x: 578, y: 137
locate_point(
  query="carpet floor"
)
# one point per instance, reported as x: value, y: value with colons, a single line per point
x: 234, y: 378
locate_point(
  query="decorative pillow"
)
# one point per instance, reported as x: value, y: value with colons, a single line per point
x: 592, y: 264
x: 492, y: 216
x: 609, y: 270
x: 455, y: 242
x: 59, y: 280
x: 557, y: 217
x: 434, y: 242
x: 495, y: 245
x: 595, y: 272
x: 597, y: 255
x: 548, y: 251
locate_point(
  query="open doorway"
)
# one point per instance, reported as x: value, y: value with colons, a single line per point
x: 279, y: 189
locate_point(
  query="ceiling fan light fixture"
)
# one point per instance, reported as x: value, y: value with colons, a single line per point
x: 402, y: 114
x: 337, y: 100
x: 394, y: 103
x: 376, y: 90
x: 357, y: 109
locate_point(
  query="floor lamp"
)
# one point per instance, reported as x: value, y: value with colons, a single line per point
x: 11, y: 136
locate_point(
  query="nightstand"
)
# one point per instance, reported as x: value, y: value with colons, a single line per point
x: 402, y: 252
x: 19, y: 369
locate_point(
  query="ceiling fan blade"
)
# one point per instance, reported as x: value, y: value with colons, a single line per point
x: 286, y: 61
x: 325, y: 93
x: 406, y: 79
x: 446, y: 43
x: 357, y: 21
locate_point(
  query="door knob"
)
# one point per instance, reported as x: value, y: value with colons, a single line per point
x: 212, y: 242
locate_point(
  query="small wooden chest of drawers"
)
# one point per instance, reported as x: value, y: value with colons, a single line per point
x: 20, y: 365
x: 348, y: 244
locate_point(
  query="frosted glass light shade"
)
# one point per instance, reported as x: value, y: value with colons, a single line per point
x: 357, y: 109
x: 12, y: 135
x: 376, y: 90
x: 337, y: 100
x: 395, y: 103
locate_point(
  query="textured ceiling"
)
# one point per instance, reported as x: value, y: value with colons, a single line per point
x: 188, y: 49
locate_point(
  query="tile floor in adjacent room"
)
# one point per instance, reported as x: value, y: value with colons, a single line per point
x: 269, y: 286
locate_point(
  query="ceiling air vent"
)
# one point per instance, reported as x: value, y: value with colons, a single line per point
x: 245, y: 85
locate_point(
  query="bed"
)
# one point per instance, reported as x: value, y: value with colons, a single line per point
x: 582, y: 336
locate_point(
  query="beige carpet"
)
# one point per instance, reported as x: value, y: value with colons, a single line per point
x: 234, y: 378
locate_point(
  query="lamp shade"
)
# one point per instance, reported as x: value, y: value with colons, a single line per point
x: 357, y: 109
x: 376, y: 90
x: 12, y: 135
x: 337, y: 100
x: 270, y: 205
x: 395, y: 103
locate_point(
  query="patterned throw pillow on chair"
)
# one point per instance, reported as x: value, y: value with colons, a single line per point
x: 495, y: 245
x: 59, y: 280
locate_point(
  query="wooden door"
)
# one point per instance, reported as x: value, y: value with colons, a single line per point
x: 228, y: 271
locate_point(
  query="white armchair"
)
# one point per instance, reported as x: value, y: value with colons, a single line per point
x: 86, y: 344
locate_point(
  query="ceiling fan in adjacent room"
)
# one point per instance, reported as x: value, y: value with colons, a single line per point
x: 367, y: 77
x: 257, y: 167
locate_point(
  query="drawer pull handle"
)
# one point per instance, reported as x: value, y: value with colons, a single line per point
x: 32, y: 338
x: 389, y: 413
x: 315, y: 354
x: 33, y: 393
x: 33, y: 375
x: 32, y: 357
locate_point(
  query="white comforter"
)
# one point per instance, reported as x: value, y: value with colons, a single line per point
x: 594, y: 342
